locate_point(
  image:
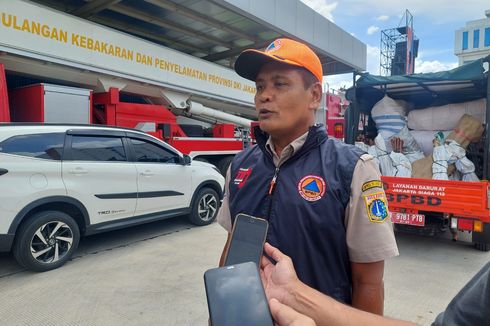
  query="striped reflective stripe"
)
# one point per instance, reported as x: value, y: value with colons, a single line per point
x: 378, y: 124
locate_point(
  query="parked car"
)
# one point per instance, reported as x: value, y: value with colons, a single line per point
x: 60, y: 182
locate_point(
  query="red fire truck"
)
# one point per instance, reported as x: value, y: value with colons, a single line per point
x: 82, y: 72
x: 336, y: 105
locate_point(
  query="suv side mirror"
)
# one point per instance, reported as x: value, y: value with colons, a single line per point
x: 185, y: 160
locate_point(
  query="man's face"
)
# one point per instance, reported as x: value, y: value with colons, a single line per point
x: 284, y: 106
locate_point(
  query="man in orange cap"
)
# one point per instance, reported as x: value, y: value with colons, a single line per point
x: 323, y: 199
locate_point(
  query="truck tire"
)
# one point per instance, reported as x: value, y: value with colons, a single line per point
x: 204, y: 207
x: 46, y: 241
x: 482, y: 246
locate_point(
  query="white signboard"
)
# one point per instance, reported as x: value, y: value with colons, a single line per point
x: 38, y: 32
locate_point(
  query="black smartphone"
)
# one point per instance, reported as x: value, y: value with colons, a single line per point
x: 247, y: 240
x: 236, y: 296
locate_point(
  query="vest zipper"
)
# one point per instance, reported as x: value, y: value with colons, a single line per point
x: 272, y: 186
x: 273, y: 182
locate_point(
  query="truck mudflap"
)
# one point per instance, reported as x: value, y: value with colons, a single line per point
x: 482, y: 239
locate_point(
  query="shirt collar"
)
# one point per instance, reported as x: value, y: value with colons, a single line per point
x: 288, y: 151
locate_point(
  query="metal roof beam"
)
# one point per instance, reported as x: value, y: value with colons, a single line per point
x: 202, y: 18
x: 147, y: 34
x: 335, y: 68
x: 233, y: 52
x: 91, y: 8
x: 66, y: 7
x: 141, y: 15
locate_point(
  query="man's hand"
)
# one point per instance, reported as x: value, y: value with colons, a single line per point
x: 278, y: 279
x: 286, y: 316
x: 397, y: 144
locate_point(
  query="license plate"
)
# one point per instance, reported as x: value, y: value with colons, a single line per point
x: 410, y: 219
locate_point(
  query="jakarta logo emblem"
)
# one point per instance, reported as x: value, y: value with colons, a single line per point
x: 376, y: 207
x: 312, y: 187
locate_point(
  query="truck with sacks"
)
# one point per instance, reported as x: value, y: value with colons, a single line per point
x: 429, y: 134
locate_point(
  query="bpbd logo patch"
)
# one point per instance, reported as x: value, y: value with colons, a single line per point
x: 274, y: 46
x: 312, y: 187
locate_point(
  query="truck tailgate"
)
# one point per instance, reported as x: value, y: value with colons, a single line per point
x: 460, y: 198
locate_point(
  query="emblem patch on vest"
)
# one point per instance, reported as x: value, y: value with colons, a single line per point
x: 376, y: 207
x: 312, y: 187
x: 242, y: 177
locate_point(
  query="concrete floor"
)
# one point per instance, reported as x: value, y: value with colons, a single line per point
x: 153, y: 274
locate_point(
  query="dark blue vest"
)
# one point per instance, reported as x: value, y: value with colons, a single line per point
x: 304, y: 223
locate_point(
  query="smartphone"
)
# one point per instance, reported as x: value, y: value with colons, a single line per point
x: 236, y: 296
x: 247, y: 240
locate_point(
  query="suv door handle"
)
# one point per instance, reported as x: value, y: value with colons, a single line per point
x: 3, y: 171
x: 78, y: 170
x: 147, y: 173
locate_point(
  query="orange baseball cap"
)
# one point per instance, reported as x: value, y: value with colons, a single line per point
x: 283, y: 50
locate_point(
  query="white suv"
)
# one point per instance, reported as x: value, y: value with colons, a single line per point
x: 58, y: 182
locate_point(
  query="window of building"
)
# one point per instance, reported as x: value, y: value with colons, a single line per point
x: 465, y: 41
x: 96, y: 148
x: 46, y: 146
x: 476, y: 38
x: 148, y: 152
x: 487, y: 36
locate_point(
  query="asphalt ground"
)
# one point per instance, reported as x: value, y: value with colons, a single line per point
x: 153, y: 275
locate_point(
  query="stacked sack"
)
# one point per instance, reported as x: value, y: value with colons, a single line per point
x: 425, y: 123
x: 455, y: 125
x: 390, y: 117
x: 451, y: 150
x: 435, y: 147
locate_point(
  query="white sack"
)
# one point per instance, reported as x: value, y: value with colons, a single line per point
x: 402, y: 166
x: 372, y: 151
x: 457, y: 155
x: 362, y: 145
x: 455, y: 151
x: 445, y: 117
x: 439, y: 166
x: 385, y: 162
x: 411, y: 148
x: 467, y: 168
x: 424, y: 139
x: 389, y: 116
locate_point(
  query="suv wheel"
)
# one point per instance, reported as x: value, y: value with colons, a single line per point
x: 46, y: 241
x: 204, y: 207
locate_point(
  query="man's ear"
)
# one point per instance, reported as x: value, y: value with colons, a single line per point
x: 316, y: 95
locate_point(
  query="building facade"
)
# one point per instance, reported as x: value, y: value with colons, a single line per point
x: 473, y: 41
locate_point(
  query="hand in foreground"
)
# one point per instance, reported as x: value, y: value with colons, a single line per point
x: 279, y: 280
x: 286, y: 316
